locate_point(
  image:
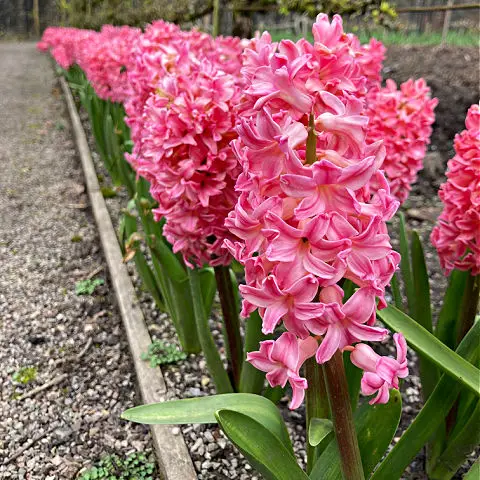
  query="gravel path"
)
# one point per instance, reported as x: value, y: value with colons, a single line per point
x: 48, y: 242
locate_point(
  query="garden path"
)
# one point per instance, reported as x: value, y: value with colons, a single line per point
x: 49, y: 242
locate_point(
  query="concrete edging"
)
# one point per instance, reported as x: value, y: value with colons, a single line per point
x: 174, y: 460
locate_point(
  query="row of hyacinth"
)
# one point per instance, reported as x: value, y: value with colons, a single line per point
x: 272, y: 153
x: 182, y: 119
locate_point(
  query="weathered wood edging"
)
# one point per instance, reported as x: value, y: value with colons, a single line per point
x: 173, y: 457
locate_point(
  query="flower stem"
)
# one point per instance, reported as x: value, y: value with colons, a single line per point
x: 233, y: 339
x: 342, y: 417
x: 311, y: 141
x: 316, y: 404
x: 469, y: 306
x: 210, y: 350
x: 252, y: 379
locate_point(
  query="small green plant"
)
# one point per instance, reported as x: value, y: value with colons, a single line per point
x: 25, y: 375
x: 135, y: 466
x: 160, y: 353
x: 108, y: 192
x: 76, y: 238
x: 88, y: 286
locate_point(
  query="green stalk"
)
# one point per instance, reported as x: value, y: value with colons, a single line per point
x: 212, y: 357
x: 342, y: 418
x: 469, y: 307
x: 252, y: 379
x: 231, y: 322
x: 316, y: 404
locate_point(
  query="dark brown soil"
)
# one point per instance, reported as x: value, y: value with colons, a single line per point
x: 453, y: 75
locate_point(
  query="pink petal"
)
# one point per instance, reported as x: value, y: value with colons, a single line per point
x: 329, y: 345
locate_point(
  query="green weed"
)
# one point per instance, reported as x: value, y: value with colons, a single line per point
x: 88, y: 286
x: 25, y: 375
x: 135, y: 466
x: 160, y: 353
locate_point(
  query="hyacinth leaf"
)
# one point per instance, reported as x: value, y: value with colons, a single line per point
x: 179, y: 304
x: 236, y: 293
x: 405, y: 266
x: 375, y: 425
x: 261, y: 447
x: 205, y: 337
x: 474, y: 472
x: 423, y: 309
x: 168, y: 260
x: 423, y: 312
x: 274, y: 394
x: 430, y: 417
x: 202, y: 410
x: 397, y: 294
x: 426, y: 344
x: 446, y: 329
x: 148, y: 279
x: 354, y: 377
x: 458, y: 447
x: 252, y: 379
x: 319, y: 429
x: 209, y: 287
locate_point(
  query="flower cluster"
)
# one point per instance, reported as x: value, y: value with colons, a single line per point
x: 306, y: 219
x: 402, y: 118
x: 457, y: 234
x: 106, y: 58
x: 188, y: 125
x: 64, y: 43
x: 182, y: 117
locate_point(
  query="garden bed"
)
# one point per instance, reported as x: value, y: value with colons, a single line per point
x: 213, y: 455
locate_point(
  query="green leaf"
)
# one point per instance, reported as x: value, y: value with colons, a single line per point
x: 318, y: 430
x: 428, y: 345
x: 446, y: 330
x: 168, y: 261
x: 202, y: 410
x: 375, y: 425
x: 209, y: 287
x: 397, y: 294
x: 260, y: 446
x: 458, y: 447
x: 423, y: 312
x: 205, y: 337
x: 405, y: 266
x: 252, y: 379
x: 474, y: 472
x: 430, y: 417
x: 354, y: 377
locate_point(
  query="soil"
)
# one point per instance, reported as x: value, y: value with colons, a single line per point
x: 454, y: 77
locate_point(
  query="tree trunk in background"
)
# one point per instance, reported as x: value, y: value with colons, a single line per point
x: 242, y: 24
x: 36, y: 18
x: 446, y: 24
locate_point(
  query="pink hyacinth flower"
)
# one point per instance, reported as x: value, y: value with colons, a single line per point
x: 344, y: 324
x: 282, y: 359
x: 381, y: 373
x: 294, y: 304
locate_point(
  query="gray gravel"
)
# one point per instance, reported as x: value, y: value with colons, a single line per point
x: 43, y: 323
